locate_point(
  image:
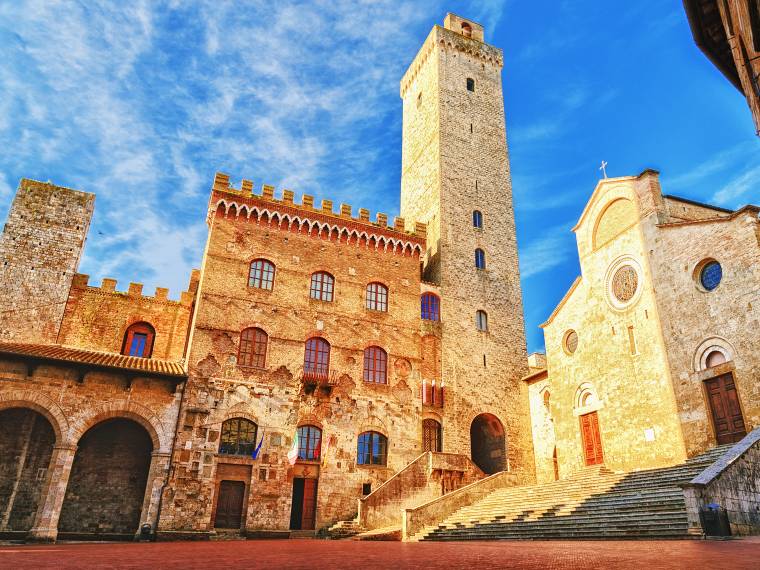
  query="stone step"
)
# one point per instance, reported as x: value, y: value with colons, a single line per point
x: 392, y: 533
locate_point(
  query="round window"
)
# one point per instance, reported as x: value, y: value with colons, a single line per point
x: 571, y: 341
x: 625, y: 282
x: 711, y: 275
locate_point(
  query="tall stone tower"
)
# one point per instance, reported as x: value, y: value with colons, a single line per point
x: 40, y: 249
x: 455, y: 164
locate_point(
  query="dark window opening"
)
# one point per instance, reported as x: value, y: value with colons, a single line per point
x: 309, y: 443
x: 431, y: 307
x: 375, y: 365
x: 138, y: 340
x: 481, y: 320
x: 431, y: 436
x: 253, y: 348
x: 480, y: 259
x: 470, y: 84
x: 372, y: 449
x: 322, y: 285
x: 477, y: 219
x: 238, y: 437
x: 261, y: 274
x: 366, y: 489
x: 377, y: 297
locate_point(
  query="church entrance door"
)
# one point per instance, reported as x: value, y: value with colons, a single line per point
x: 229, y: 509
x: 724, y: 405
x: 592, y: 440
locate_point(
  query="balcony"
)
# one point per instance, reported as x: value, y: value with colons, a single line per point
x: 313, y: 377
x: 432, y: 393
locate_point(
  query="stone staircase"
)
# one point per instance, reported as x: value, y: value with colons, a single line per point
x: 596, y: 503
x: 343, y: 529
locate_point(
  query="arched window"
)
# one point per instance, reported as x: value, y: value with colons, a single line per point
x: 309, y: 443
x: 470, y: 84
x: 377, y: 297
x: 481, y: 320
x: 431, y: 307
x: 261, y: 275
x: 238, y: 437
x: 466, y: 30
x: 431, y: 436
x: 480, y: 259
x: 715, y: 358
x: 138, y: 340
x: 253, y: 348
x: 477, y: 219
x: 372, y: 449
x: 322, y: 286
x: 316, y: 360
x: 375, y: 365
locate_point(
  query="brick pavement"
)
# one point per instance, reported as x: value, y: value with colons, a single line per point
x: 296, y: 554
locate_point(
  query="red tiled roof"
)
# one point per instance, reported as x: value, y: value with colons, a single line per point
x: 57, y: 352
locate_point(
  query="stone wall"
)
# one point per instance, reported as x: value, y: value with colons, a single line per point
x: 40, y: 248
x: 84, y: 326
x: 454, y: 162
x: 696, y: 322
x: 26, y: 444
x: 542, y: 424
x: 274, y: 397
x: 71, y: 408
x: 733, y: 483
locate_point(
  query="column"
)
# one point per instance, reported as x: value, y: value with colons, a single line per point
x: 45, y: 527
x: 157, y: 473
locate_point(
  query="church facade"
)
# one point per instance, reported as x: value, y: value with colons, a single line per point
x: 652, y: 355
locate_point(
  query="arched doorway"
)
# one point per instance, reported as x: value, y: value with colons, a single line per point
x: 26, y: 445
x: 106, y: 489
x: 488, y: 444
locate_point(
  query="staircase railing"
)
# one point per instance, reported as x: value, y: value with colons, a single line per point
x: 416, y: 519
x: 733, y: 482
x: 427, y: 477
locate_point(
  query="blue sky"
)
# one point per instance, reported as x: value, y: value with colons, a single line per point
x: 142, y: 102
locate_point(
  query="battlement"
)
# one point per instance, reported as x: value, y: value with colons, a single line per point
x: 306, y: 208
x: 135, y: 290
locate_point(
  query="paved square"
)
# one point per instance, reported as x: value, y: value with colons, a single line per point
x: 295, y: 554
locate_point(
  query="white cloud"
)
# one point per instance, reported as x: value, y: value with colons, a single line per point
x: 548, y: 251
x: 740, y: 186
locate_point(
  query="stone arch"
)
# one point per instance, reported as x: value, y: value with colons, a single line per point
x: 42, y: 405
x: 615, y: 218
x: 127, y: 410
x: 586, y: 399
x: 109, y: 476
x: 707, y: 347
x: 27, y: 439
x: 488, y: 443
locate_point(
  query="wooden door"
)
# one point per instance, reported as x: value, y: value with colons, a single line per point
x: 726, y: 412
x: 592, y: 441
x: 309, y: 504
x: 229, y: 505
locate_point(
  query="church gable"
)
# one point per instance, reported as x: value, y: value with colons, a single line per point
x: 616, y: 218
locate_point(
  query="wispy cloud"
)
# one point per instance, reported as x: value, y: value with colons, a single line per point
x: 552, y: 249
x: 740, y: 186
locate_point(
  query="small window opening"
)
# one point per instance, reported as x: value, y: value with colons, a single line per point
x: 366, y: 489
x: 471, y: 128
x: 481, y: 320
x: 466, y: 30
x: 477, y: 219
x: 632, y: 340
x: 419, y: 100
x: 480, y: 259
x: 470, y: 84
x: 484, y: 361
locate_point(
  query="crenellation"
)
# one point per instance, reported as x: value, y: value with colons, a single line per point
x: 135, y: 290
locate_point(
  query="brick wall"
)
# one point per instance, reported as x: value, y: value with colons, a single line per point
x: 84, y: 326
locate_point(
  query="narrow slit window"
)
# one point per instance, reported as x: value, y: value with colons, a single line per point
x: 480, y: 259
x: 470, y: 84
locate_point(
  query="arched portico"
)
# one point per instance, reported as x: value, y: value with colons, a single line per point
x: 488, y: 443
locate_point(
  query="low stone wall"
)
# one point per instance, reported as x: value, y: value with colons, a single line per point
x: 426, y: 478
x: 418, y: 518
x: 733, y: 482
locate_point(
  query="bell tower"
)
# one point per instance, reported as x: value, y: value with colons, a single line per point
x: 456, y: 178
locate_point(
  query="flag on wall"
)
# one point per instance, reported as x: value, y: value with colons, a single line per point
x: 256, y: 451
x: 331, y: 441
x: 293, y: 453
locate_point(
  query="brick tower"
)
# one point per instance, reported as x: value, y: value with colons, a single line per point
x: 40, y: 249
x: 455, y: 164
